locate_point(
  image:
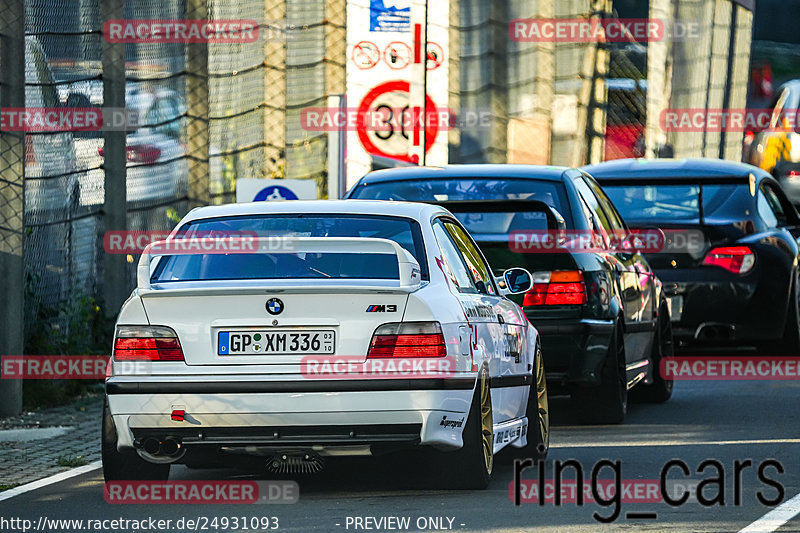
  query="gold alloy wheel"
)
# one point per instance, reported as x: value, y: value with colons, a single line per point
x: 542, y: 404
x: 487, y: 428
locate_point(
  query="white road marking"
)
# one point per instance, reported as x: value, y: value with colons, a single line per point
x: 776, y: 518
x: 29, y: 434
x: 61, y: 476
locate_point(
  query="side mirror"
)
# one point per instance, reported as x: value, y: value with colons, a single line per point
x: 644, y: 239
x: 518, y: 280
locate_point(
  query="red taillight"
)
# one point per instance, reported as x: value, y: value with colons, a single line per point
x: 139, y: 153
x: 147, y: 343
x: 408, y: 339
x: 143, y: 153
x: 736, y: 259
x: 560, y: 287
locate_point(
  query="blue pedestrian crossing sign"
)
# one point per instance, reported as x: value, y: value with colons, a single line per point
x: 275, y: 192
x: 271, y: 190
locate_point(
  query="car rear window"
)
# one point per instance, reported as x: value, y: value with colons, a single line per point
x: 670, y: 202
x: 459, y: 189
x: 265, y: 265
x: 487, y: 226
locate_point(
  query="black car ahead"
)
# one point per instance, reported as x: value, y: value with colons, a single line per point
x: 740, y: 285
x: 602, y: 318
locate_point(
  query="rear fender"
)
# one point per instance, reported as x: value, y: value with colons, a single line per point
x: 132, y: 311
x: 603, y: 296
x: 775, y: 262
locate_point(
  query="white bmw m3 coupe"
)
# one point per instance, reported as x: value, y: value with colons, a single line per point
x: 295, y: 331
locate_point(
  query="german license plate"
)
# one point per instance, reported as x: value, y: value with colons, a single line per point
x: 281, y: 342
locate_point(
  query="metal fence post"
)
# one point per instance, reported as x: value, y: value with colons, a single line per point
x: 454, y: 82
x: 336, y: 58
x: 275, y: 92
x: 498, y: 24
x: 198, y: 105
x: 12, y: 173
x: 115, y: 286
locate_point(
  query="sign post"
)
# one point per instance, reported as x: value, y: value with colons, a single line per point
x: 397, y: 99
x: 418, y: 79
x: 337, y: 148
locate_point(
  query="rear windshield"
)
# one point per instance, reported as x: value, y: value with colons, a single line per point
x: 497, y: 226
x: 265, y: 265
x: 460, y: 189
x: 669, y: 202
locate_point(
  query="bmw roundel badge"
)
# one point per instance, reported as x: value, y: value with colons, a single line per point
x: 274, y: 306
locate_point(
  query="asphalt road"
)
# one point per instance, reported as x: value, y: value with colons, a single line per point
x: 725, y: 421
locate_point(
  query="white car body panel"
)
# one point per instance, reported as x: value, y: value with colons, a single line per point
x: 257, y: 391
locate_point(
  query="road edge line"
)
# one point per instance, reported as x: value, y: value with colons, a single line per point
x: 776, y: 518
x: 55, y: 478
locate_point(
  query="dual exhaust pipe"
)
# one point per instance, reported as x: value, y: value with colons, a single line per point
x: 168, y: 447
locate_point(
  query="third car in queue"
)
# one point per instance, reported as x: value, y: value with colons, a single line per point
x: 731, y: 270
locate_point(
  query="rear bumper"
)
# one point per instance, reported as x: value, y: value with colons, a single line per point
x: 718, y: 307
x: 574, y: 350
x: 279, y: 414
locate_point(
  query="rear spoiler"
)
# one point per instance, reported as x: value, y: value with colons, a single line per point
x: 409, y: 279
x: 749, y: 180
x: 679, y: 180
x: 554, y: 218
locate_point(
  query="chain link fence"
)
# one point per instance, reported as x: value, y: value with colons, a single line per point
x: 205, y: 114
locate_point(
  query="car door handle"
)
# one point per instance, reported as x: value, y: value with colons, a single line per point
x: 500, y: 318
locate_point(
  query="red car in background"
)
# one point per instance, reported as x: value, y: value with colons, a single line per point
x: 625, y: 118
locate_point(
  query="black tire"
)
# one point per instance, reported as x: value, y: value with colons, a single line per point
x: 660, y: 390
x: 119, y: 466
x: 789, y: 344
x: 538, y: 413
x: 607, y: 402
x: 470, y: 467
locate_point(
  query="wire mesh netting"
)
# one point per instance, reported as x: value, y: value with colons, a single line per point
x: 63, y: 195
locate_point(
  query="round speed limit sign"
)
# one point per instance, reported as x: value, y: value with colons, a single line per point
x: 385, y: 122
